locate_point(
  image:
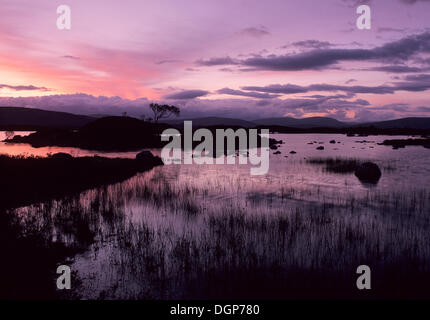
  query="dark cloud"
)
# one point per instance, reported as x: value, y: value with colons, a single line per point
x: 167, y: 61
x: 413, y: 1
x: 254, y: 109
x: 23, y: 88
x: 237, y: 108
x: 423, y: 109
x: 291, y: 89
x: 400, y: 107
x: 336, y: 106
x: 247, y: 94
x: 388, y: 29
x: 187, y: 94
x: 71, y: 57
x: 396, y: 51
x: 396, y: 69
x: 256, y: 32
x: 315, y: 59
x: 412, y: 83
x: 337, y: 96
x: 351, y: 89
x: 227, y: 70
x: 424, y: 77
x: 216, y: 61
x: 399, y: 50
x: 315, y: 96
x: 352, y: 3
x: 277, y: 88
x: 368, y: 115
x: 311, y: 44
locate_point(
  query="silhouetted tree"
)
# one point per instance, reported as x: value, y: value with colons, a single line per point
x: 163, y: 111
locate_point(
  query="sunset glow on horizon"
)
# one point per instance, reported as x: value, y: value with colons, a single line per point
x: 244, y: 59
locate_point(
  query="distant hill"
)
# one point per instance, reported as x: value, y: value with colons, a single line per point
x: 29, y: 117
x: 101, y: 115
x: 306, y: 123
x: 212, y: 121
x: 409, y: 123
x: 104, y: 134
x: 312, y: 122
x: 13, y: 118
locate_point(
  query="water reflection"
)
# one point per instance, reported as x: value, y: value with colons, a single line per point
x: 19, y: 149
x: 187, y: 231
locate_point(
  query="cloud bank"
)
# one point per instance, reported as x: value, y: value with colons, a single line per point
x: 339, y: 106
x: 321, y: 57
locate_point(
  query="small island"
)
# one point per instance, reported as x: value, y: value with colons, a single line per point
x: 28, y: 180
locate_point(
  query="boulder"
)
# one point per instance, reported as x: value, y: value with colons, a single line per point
x: 144, y: 156
x: 293, y: 152
x: 368, y: 172
x: 147, y: 158
x: 320, y: 148
x: 61, y: 156
x: 332, y: 141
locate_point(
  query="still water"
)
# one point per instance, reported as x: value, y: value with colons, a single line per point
x: 202, y: 231
x: 403, y: 168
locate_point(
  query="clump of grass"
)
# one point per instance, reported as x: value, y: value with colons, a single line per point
x: 29, y: 180
x: 305, y: 243
x: 336, y: 165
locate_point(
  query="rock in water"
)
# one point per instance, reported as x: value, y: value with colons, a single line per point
x: 144, y: 155
x: 148, y: 158
x: 368, y: 172
x: 61, y: 156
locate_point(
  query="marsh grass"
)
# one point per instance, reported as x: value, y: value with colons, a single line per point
x: 154, y: 237
x: 336, y: 165
x: 29, y: 180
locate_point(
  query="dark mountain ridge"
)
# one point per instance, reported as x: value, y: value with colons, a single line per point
x: 16, y: 118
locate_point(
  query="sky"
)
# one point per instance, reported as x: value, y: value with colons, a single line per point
x: 244, y: 59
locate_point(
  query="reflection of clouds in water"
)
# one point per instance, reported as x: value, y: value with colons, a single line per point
x: 156, y: 233
x: 410, y: 163
x: 162, y: 216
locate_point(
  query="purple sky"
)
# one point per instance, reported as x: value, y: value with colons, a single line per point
x: 237, y: 58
